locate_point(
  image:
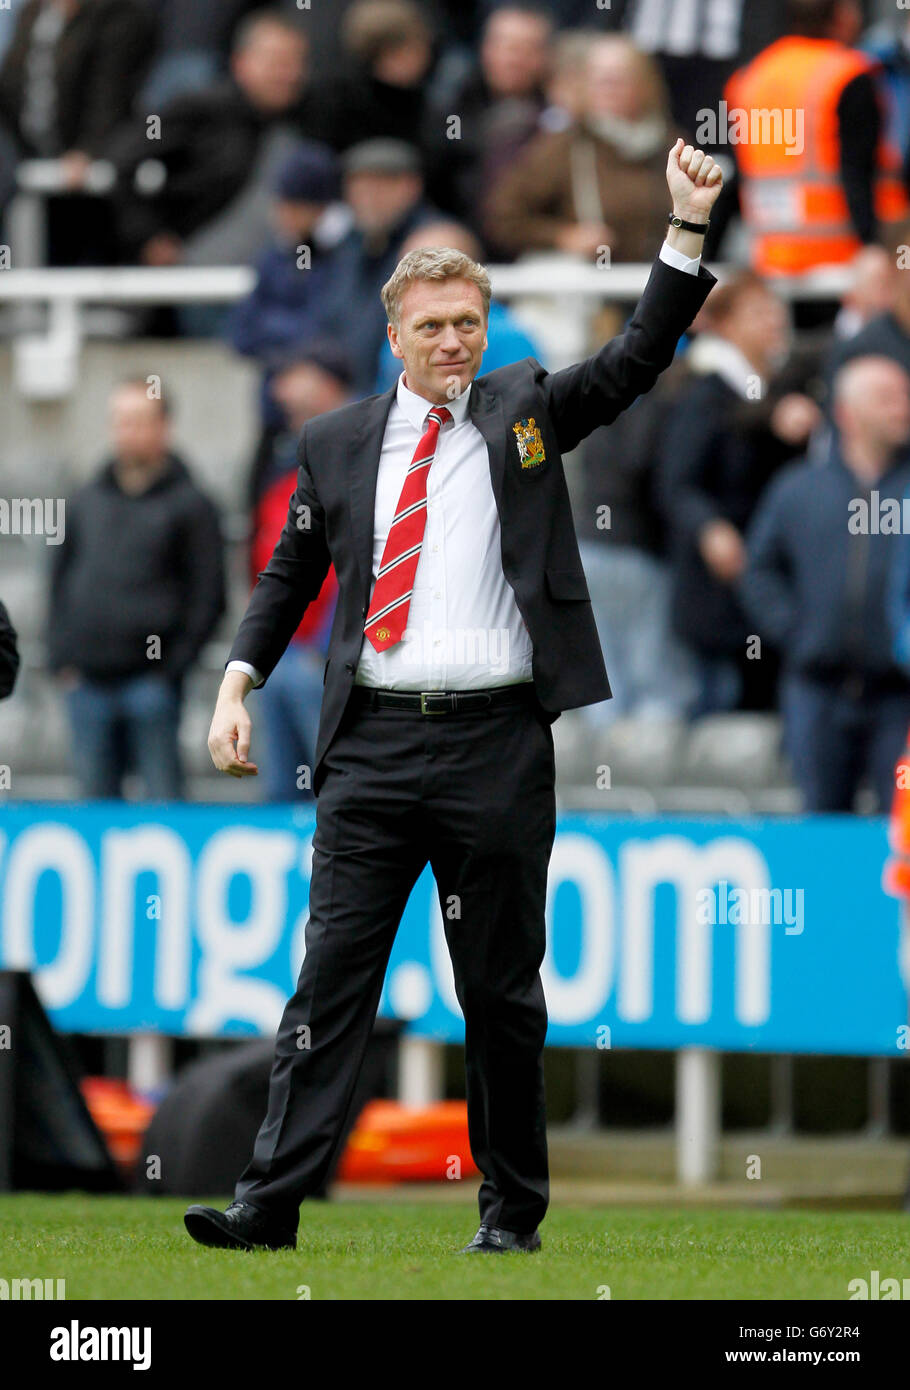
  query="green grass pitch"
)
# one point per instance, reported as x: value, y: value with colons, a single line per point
x: 117, y: 1247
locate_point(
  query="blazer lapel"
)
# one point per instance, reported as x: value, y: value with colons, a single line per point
x: 487, y: 415
x: 362, y: 472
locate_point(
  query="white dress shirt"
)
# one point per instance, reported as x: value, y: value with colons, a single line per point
x: 464, y: 630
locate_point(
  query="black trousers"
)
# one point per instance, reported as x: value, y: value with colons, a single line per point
x: 473, y: 795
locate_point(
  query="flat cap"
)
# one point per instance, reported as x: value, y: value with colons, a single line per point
x: 381, y: 157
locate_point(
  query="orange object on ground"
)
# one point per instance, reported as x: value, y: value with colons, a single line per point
x: 793, y: 199
x: 120, y: 1114
x: 399, y: 1143
x: 896, y: 876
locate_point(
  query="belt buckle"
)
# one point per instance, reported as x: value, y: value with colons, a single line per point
x: 429, y: 694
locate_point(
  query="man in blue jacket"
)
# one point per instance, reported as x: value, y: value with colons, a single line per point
x: 816, y: 586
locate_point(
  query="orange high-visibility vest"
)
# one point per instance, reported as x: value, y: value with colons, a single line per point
x: 794, y: 203
x: 896, y: 877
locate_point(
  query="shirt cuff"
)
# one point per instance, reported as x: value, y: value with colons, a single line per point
x: 677, y: 259
x: 247, y: 669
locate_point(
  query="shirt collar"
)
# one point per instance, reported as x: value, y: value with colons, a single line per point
x: 416, y: 408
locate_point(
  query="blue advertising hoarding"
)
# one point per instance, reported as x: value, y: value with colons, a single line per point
x: 737, y: 935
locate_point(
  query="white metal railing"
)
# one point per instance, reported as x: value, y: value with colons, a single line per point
x: 551, y: 277
x: 558, y: 297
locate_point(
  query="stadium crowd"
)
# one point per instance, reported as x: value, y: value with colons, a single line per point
x: 737, y: 525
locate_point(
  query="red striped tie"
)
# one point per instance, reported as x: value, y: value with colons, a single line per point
x: 388, y: 614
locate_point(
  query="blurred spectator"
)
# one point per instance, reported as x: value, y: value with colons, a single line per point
x: 383, y: 185
x: 827, y: 181
x: 380, y: 89
x: 869, y: 292
x: 67, y: 82
x: 892, y: 51
x: 899, y: 595
x: 312, y: 380
x: 9, y: 654
x: 136, y: 589
x: 69, y: 75
x: 817, y: 587
x: 307, y: 379
x: 601, y: 182
x: 199, y: 194
x: 291, y: 300
x: 888, y: 333
x: 565, y: 89
x: 497, y: 104
x: 622, y: 542
x: 506, y: 341
x: 728, y: 435
x: 193, y: 43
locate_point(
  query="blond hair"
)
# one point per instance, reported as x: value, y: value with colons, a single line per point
x: 433, y: 263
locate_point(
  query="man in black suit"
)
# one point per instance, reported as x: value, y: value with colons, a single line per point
x: 443, y: 507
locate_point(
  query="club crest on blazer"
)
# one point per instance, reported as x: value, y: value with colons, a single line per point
x: 530, y: 443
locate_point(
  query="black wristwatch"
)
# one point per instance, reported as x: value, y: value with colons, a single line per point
x: 698, y: 227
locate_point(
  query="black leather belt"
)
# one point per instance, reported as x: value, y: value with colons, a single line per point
x: 444, y: 701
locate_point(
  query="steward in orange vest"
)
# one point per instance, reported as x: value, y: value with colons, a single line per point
x: 793, y: 198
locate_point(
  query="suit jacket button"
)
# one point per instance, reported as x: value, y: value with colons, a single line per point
x: 349, y: 666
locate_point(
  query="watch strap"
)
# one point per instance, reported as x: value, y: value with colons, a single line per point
x: 698, y: 227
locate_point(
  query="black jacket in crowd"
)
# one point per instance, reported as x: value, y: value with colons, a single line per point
x: 719, y: 456
x: 208, y: 146
x: 353, y: 105
x: 619, y: 465
x: 101, y: 55
x: 9, y: 654
x: 134, y: 567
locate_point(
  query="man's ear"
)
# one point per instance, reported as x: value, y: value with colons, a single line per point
x: 394, y: 343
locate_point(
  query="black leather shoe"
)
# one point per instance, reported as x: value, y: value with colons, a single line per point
x: 241, y: 1227
x: 491, y: 1240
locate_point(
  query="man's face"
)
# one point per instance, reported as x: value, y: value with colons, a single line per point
x: 612, y: 83
x: 294, y: 220
x: 380, y: 201
x: 759, y: 325
x: 304, y: 391
x: 847, y: 24
x: 138, y: 429
x: 405, y: 65
x: 441, y: 337
x: 883, y: 411
x: 271, y: 68
x: 514, y: 53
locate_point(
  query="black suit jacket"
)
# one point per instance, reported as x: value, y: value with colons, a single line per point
x: 331, y: 513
